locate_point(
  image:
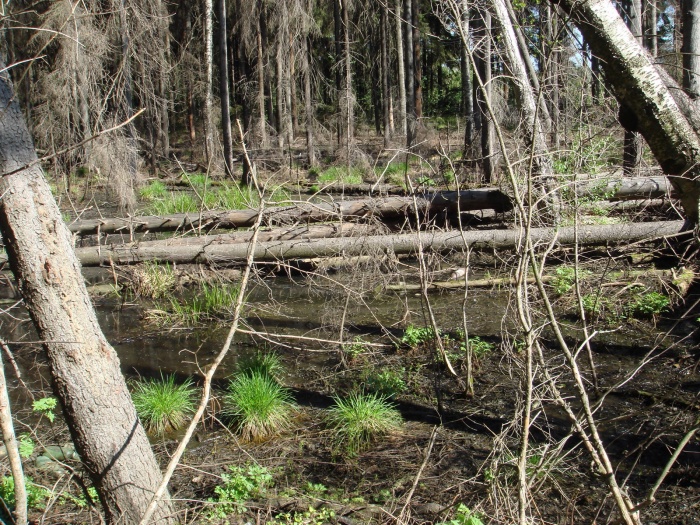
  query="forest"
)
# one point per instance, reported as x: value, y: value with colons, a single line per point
x: 347, y: 262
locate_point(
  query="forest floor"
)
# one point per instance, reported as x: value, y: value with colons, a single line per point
x: 454, y: 459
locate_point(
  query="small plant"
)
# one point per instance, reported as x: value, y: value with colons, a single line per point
x: 414, y: 336
x: 475, y: 344
x: 239, y: 485
x: 425, y: 181
x: 312, y: 516
x: 26, y: 446
x: 594, y: 304
x: 464, y: 516
x: 315, y: 489
x: 80, y: 501
x: 649, y: 304
x: 355, y: 349
x: 564, y: 279
x: 163, y: 405
x: 45, y: 406
x: 263, y: 363
x: 259, y: 406
x: 361, y: 418
x: 389, y: 383
x: 36, y: 494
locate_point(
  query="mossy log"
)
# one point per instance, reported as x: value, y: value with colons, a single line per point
x: 271, y: 251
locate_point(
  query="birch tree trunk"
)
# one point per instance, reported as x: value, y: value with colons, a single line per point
x: 632, y: 148
x: 658, y: 109
x: 85, y: 368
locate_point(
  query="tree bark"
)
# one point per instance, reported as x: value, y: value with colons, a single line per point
x: 386, y: 89
x: 227, y: 135
x: 308, y: 103
x: 209, y: 71
x: 410, y: 74
x: 438, y: 242
x: 632, y: 142
x: 643, y: 89
x: 483, y: 64
x: 387, y: 208
x: 401, y: 66
x: 691, y: 47
x: 85, y: 368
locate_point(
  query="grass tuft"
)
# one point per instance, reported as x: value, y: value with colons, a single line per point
x: 259, y: 406
x: 264, y: 363
x: 163, y: 405
x: 361, y: 418
x: 341, y: 174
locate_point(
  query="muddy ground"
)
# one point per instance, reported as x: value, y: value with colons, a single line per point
x: 453, y: 448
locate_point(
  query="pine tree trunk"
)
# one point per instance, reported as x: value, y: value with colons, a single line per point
x: 484, y: 70
x: 85, y: 368
x: 417, y: 63
x: 262, y: 124
x: 691, y: 47
x: 386, y: 89
x: 209, y: 71
x: 308, y: 103
x: 227, y: 135
x: 401, y: 66
x: 410, y: 75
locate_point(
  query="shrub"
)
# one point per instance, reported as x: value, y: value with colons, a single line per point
x: 163, y: 405
x: 413, y: 336
x: 359, y: 419
x: 477, y: 346
x: 650, y: 304
x: 464, y: 516
x: 36, y: 495
x: 238, y: 486
x: 388, y: 383
x: 258, y: 405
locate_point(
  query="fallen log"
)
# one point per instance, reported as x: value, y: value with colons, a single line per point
x: 316, y: 231
x: 385, y: 208
x: 272, y: 251
x: 620, y: 188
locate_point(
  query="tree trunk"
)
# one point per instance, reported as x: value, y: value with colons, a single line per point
x: 262, y: 124
x: 651, y: 15
x: 691, y: 47
x: 381, y: 208
x: 85, y: 369
x: 401, y: 66
x: 663, y: 115
x: 209, y: 71
x: 348, y: 96
x: 410, y: 75
x: 632, y: 143
x: 488, y: 148
x: 128, y: 89
x: 466, y: 72
x: 386, y: 88
x: 417, y: 64
x: 407, y: 243
x: 223, y: 89
x: 308, y: 103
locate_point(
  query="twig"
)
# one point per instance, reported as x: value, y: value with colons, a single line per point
x: 403, y: 518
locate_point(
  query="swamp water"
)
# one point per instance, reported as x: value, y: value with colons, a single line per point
x: 300, y: 319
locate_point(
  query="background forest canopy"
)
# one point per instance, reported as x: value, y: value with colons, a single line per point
x: 317, y: 81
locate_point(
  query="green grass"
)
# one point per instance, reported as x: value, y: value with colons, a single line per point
x: 341, y: 174
x: 153, y: 280
x: 359, y: 419
x: 173, y: 202
x: 210, y: 302
x: 264, y: 363
x: 258, y: 405
x: 163, y: 405
x: 392, y: 169
x: 154, y: 191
